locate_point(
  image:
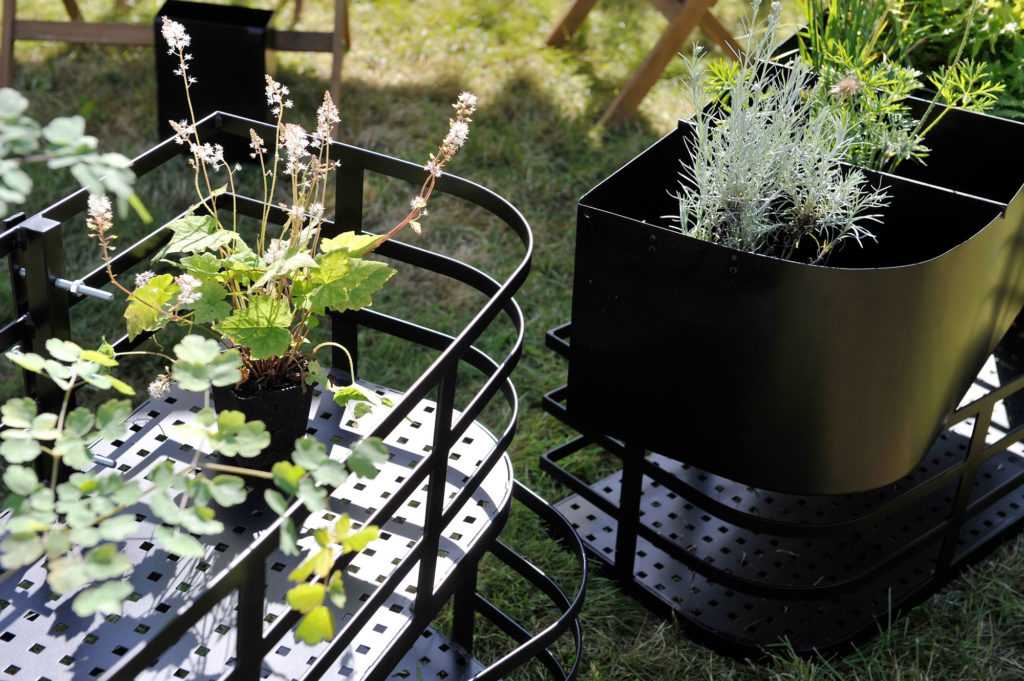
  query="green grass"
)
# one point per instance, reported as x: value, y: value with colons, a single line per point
x: 533, y: 142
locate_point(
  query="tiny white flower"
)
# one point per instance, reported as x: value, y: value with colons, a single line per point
x: 175, y: 35
x: 142, y: 278
x: 275, y: 251
x: 189, y: 289
x: 416, y: 227
x: 433, y: 167
x: 160, y: 386
x: 418, y: 203
x: 457, y: 134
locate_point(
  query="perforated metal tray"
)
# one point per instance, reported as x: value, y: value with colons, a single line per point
x: 818, y: 571
x: 42, y: 639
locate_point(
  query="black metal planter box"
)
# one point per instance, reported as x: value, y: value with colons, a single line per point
x: 879, y: 395
x: 784, y: 375
x: 441, y: 499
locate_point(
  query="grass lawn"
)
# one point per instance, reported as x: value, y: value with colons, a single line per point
x: 533, y: 142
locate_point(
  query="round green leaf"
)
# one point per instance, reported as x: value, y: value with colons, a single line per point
x: 105, y: 599
x: 316, y: 626
x: 227, y: 490
x: 276, y: 501
x: 305, y: 597
x: 21, y: 480
x: 309, y: 452
x: 175, y: 541
x: 118, y: 528
x: 18, y: 412
x: 19, y: 451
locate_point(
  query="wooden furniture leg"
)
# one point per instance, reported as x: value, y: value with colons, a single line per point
x: 7, y: 43
x: 73, y: 10
x: 571, y: 22
x: 339, y: 44
x: 709, y: 23
x: 682, y: 24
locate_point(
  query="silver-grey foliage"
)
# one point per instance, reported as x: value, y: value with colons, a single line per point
x: 765, y: 172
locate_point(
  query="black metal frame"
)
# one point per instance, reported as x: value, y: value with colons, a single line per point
x: 43, y: 311
x: 959, y: 519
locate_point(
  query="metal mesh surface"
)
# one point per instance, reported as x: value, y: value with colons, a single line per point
x: 41, y: 638
x: 804, y: 563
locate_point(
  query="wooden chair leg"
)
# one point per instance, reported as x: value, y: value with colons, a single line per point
x: 571, y: 22
x: 714, y: 29
x: 7, y: 43
x: 709, y: 23
x: 679, y: 29
x: 73, y: 10
x: 339, y: 45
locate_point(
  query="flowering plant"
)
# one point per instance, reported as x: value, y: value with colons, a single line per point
x: 262, y: 295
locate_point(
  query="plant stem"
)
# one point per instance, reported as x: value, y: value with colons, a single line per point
x: 238, y: 470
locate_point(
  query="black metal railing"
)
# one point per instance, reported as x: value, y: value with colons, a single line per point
x: 35, y: 247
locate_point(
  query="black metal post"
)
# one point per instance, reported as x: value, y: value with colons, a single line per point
x: 629, y: 512
x: 464, y: 610
x: 348, y: 217
x: 249, y: 644
x: 433, y: 524
x: 975, y: 457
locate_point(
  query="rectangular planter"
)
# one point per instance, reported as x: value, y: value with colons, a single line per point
x: 233, y: 38
x: 782, y: 375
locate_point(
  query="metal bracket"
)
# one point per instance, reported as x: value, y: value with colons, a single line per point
x: 75, y: 287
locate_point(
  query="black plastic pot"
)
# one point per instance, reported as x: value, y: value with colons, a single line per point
x: 284, y: 411
x: 777, y: 374
x: 228, y: 59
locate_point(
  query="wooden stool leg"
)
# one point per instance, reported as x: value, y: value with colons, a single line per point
x: 710, y: 24
x: 679, y: 29
x: 339, y: 45
x: 7, y: 43
x: 571, y: 22
x: 72, y: 9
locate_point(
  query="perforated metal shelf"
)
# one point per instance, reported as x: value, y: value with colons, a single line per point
x: 43, y: 640
x: 749, y: 619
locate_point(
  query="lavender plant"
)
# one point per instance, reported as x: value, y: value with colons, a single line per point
x: 765, y: 173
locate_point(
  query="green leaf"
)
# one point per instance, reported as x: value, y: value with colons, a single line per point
x: 21, y: 480
x: 355, y: 245
x: 18, y: 412
x: 313, y: 497
x: 361, y: 409
x: 118, y: 528
x: 104, y: 562
x: 316, y: 626
x: 287, y: 476
x: 63, y: 350
x: 197, y: 234
x: 104, y: 599
x: 336, y: 589
x: 44, y: 427
x: 164, y: 508
x: 201, y: 363
x: 316, y: 373
x: 203, y: 265
x: 276, y: 501
x: 211, y: 306
x: 305, y: 597
x: 330, y: 473
x: 67, y: 575
x: 343, y: 283
x: 73, y: 452
x: 29, y: 361
x: 65, y: 131
x: 283, y: 267
x: 120, y: 386
x: 177, y: 542
x: 289, y: 538
x: 348, y: 394
x: 201, y: 520
x: 12, y: 103
x: 319, y: 563
x: 309, y: 452
x: 227, y: 490
x: 42, y: 500
x: 366, y: 456
x: 110, y: 418
x: 359, y: 540
x: 20, y: 451
x: 79, y: 422
x: 85, y: 536
x: 145, y: 311
x: 264, y: 327
x: 127, y: 494
x: 19, y: 550
x: 101, y: 358
x: 236, y: 437
x: 24, y: 524
x: 58, y: 542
